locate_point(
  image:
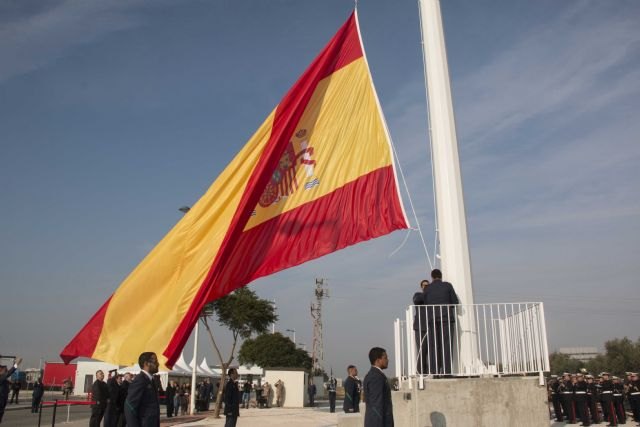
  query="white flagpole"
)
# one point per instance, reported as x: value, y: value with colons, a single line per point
x: 192, y: 402
x: 451, y: 220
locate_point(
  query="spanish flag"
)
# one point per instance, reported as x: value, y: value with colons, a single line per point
x: 317, y: 176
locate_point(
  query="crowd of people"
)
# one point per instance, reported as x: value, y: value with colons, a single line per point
x: 594, y: 398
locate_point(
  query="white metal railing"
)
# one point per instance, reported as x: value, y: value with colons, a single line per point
x: 471, y: 340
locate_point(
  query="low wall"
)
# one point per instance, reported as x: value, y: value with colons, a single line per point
x: 495, y: 402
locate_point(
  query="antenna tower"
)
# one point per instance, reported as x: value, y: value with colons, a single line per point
x: 317, y: 355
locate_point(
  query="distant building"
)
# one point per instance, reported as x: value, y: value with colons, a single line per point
x: 583, y: 354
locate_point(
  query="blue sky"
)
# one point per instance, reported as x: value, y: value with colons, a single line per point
x: 114, y: 114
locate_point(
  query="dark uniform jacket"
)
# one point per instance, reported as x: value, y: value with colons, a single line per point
x: 232, y: 399
x: 420, y: 316
x: 377, y: 395
x: 142, y: 407
x: 38, y: 390
x: 351, y: 395
x: 439, y: 292
x: 100, y: 393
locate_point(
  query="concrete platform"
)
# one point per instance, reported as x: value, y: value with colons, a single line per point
x: 495, y: 402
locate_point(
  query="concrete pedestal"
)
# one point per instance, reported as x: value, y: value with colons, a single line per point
x: 494, y: 402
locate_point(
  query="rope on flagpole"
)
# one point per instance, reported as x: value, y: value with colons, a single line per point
x: 415, y: 216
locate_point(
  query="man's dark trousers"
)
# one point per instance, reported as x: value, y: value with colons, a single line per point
x: 332, y: 401
x: 440, y: 347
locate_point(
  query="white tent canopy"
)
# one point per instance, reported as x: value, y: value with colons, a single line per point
x: 181, y: 366
x: 199, y: 370
x: 211, y: 372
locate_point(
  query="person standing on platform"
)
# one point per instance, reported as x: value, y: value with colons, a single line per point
x: 232, y: 399
x: 420, y: 328
x: 377, y: 392
x: 311, y: 391
x: 36, y: 396
x: 5, y: 374
x: 100, y: 395
x: 442, y: 319
x: 142, y: 406
x: 352, y: 387
x: 331, y: 389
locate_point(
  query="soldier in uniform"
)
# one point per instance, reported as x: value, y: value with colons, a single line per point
x: 566, y: 393
x: 352, y: 389
x: 618, y: 400
x: 580, y: 393
x: 607, y: 400
x: 554, y: 384
x: 633, y: 394
x: 592, y: 399
x: 331, y: 389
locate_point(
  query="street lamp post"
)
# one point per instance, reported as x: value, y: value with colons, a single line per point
x: 294, y: 334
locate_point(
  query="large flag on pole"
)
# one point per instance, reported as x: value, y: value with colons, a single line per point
x: 317, y: 176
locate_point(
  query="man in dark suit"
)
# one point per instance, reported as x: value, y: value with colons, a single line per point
x: 441, y: 322
x: 169, y: 395
x: 5, y: 374
x: 142, y: 406
x: 232, y: 399
x: 377, y: 392
x: 351, y: 391
x: 100, y: 395
x: 111, y: 413
x: 36, y: 396
x: 420, y: 328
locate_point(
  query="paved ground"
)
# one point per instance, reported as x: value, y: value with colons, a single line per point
x: 302, y: 417
x: 78, y: 416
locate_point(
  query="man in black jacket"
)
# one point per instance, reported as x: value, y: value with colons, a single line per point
x: 169, y: 395
x: 36, y: 396
x: 377, y: 392
x: 111, y: 413
x: 5, y: 374
x: 420, y: 328
x: 441, y: 322
x: 232, y: 399
x: 100, y: 395
x: 142, y: 407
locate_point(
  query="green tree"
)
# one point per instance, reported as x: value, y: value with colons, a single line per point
x: 244, y: 314
x: 561, y: 362
x: 621, y: 355
x: 273, y: 350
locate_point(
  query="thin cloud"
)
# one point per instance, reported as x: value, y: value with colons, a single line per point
x: 37, y: 40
